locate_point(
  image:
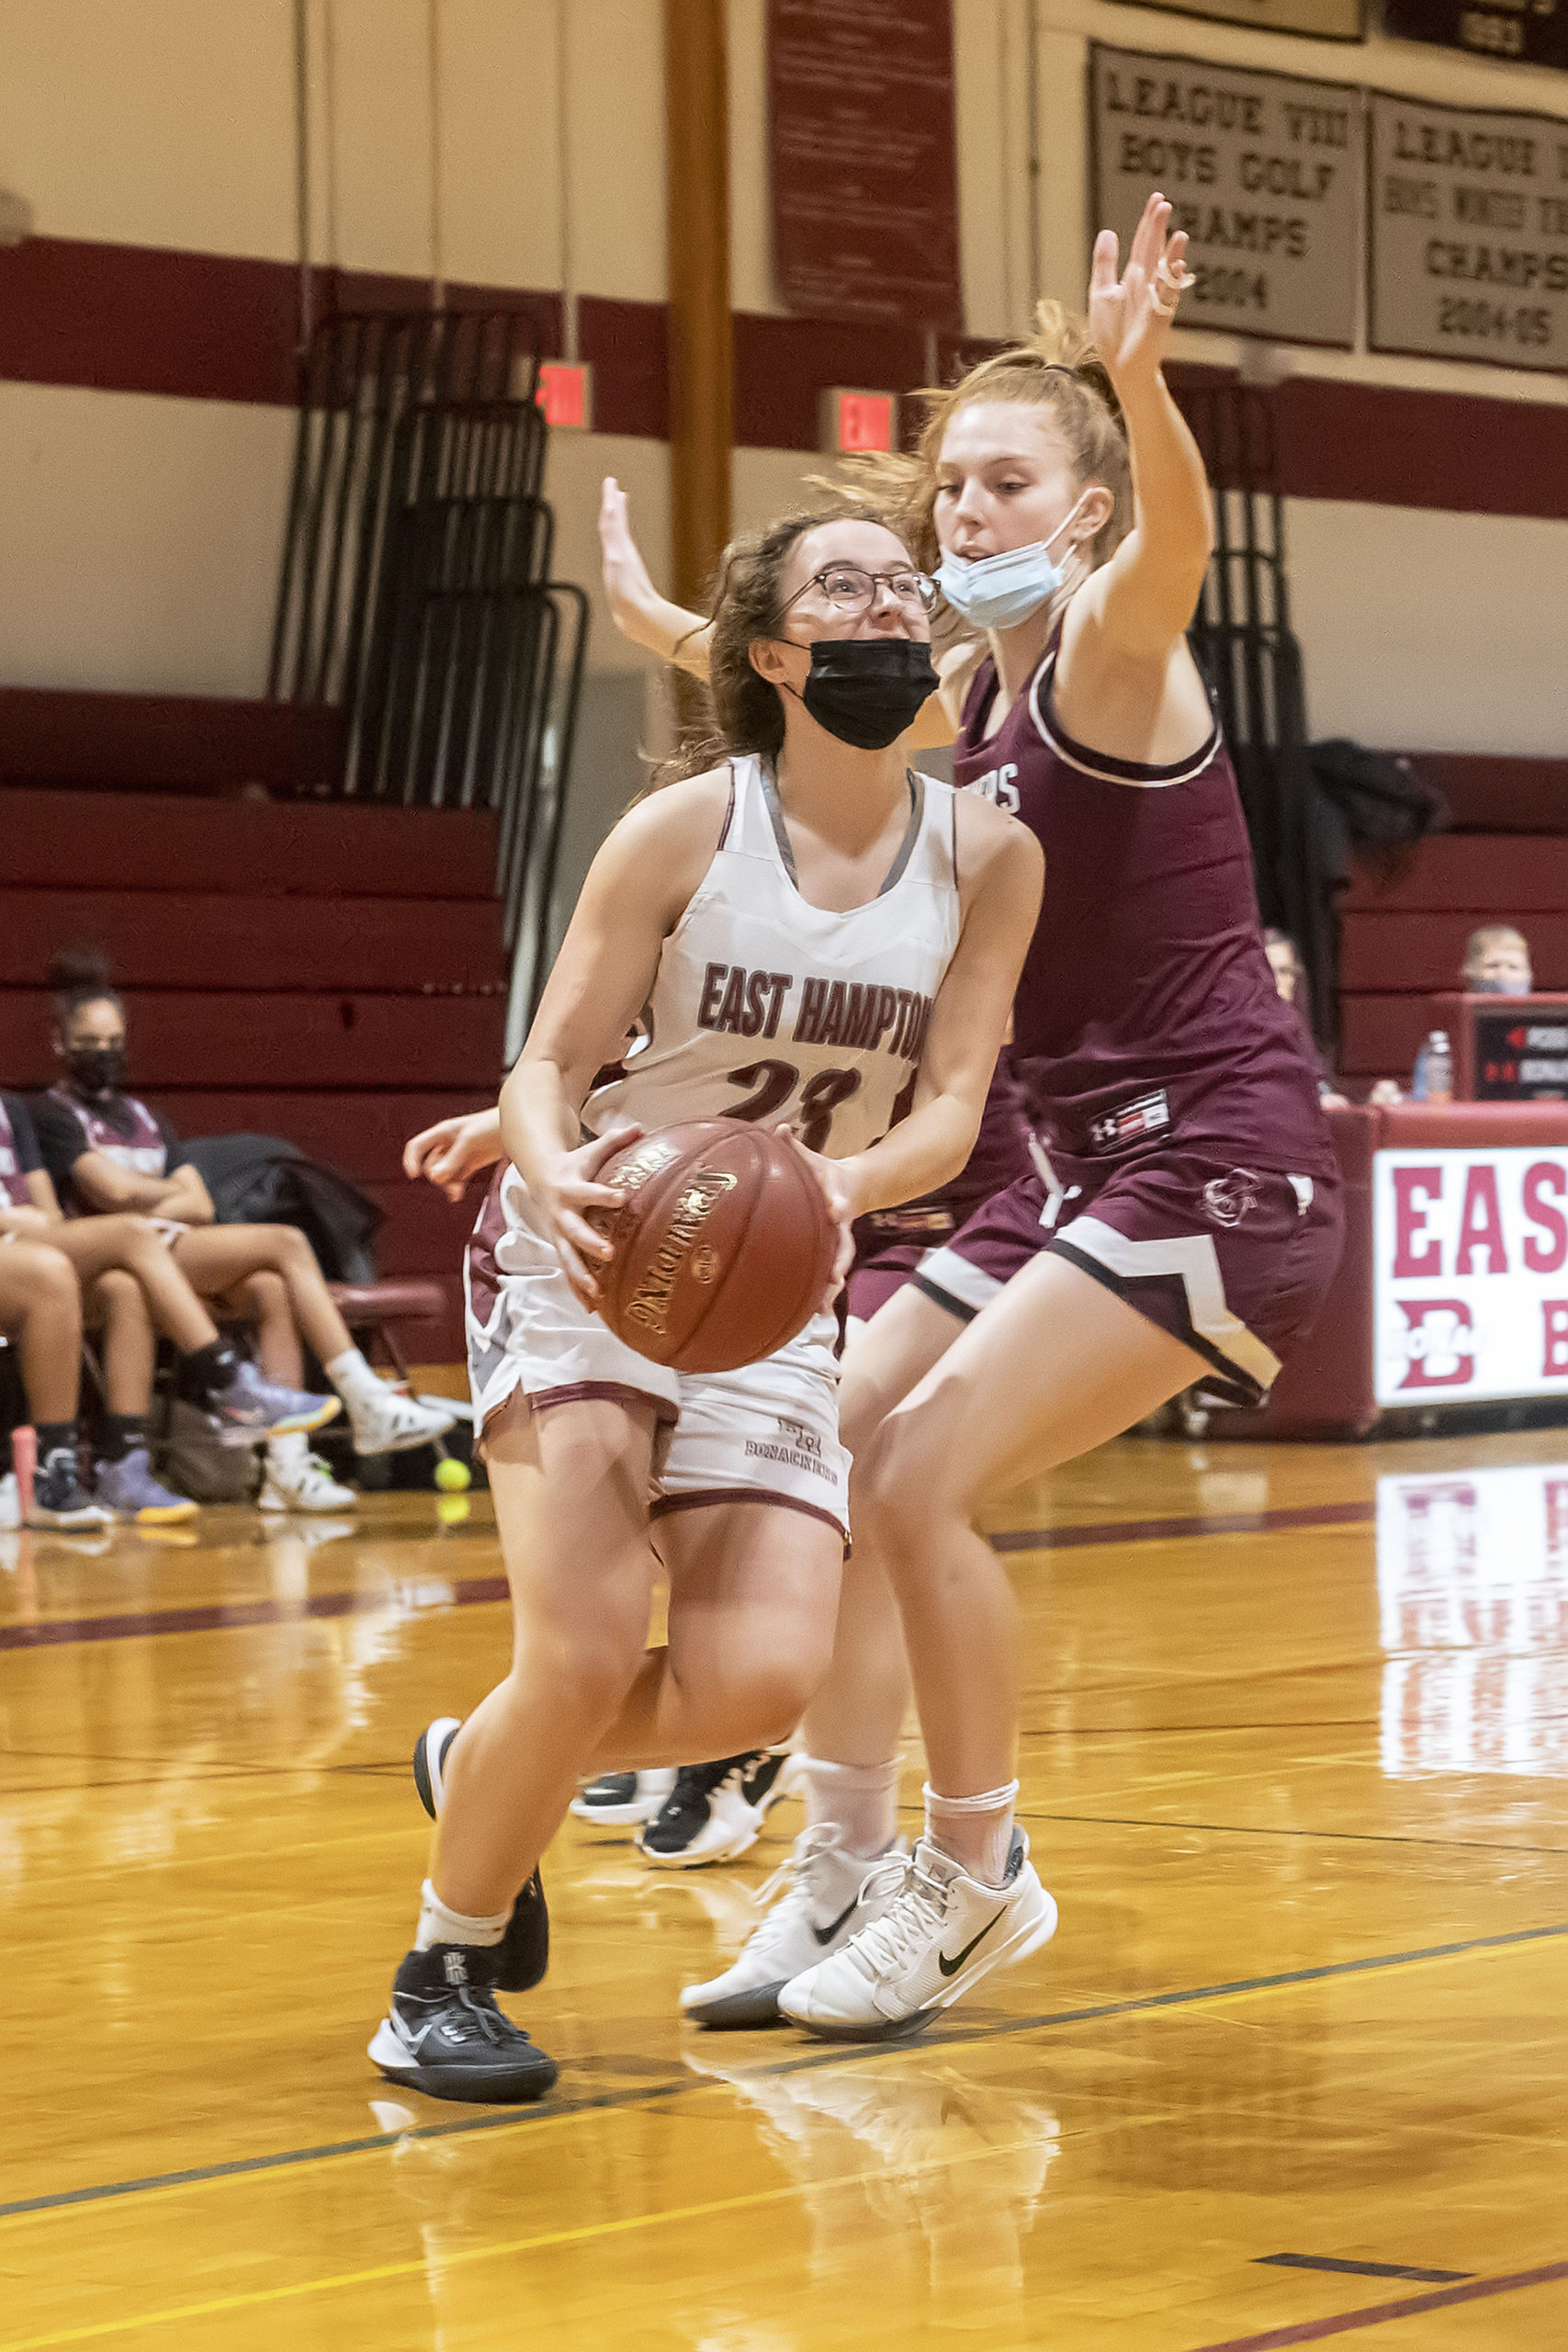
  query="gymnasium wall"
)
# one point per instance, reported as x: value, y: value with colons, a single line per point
x: 146, y: 331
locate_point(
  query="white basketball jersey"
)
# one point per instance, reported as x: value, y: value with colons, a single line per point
x: 767, y: 1007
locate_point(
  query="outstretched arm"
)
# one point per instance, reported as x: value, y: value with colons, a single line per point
x: 640, y: 613
x: 1144, y: 596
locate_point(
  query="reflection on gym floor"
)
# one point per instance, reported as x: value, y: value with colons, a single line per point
x: 1472, y: 1586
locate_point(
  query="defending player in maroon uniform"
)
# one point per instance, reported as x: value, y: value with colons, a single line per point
x: 1196, y: 1227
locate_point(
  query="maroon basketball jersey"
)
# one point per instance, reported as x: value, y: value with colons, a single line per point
x: 132, y: 1138
x: 1146, y: 1010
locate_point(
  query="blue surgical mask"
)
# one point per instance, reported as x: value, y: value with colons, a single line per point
x: 999, y: 591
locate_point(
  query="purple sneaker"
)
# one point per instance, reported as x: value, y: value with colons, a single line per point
x: 129, y: 1489
x: 252, y: 1406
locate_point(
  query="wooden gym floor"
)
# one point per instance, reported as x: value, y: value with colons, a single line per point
x: 1297, y: 1736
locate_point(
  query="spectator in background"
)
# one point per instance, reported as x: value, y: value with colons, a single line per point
x: 111, y: 1303
x: 1496, y: 963
x: 107, y: 1153
x: 1291, y: 983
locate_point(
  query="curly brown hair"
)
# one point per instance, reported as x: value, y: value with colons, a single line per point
x: 1057, y: 368
x: 744, y: 712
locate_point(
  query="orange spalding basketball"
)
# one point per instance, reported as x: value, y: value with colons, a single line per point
x: 723, y: 1248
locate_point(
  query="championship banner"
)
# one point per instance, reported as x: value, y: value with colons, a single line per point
x: 1532, y: 32
x: 1264, y: 172
x: 864, y: 159
x: 1467, y: 234
x: 1324, y: 19
x: 1469, y: 1275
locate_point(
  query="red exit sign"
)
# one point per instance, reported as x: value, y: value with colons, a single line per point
x: 566, y: 394
x: 854, y: 423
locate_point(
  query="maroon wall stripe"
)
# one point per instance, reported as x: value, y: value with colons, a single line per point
x: 213, y: 326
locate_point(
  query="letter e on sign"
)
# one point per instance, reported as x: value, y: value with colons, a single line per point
x: 1414, y: 1191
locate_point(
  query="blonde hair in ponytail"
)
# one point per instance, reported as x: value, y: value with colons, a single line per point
x: 1057, y: 368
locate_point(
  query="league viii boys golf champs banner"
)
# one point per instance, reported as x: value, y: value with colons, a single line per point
x: 1264, y: 172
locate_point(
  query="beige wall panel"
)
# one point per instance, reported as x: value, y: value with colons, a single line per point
x: 500, y: 174
x: 379, y: 163
x: 1430, y: 632
x: 751, y: 210
x: 615, y: 143
x: 141, y: 540
x: 153, y: 123
x: 991, y: 73
x: 766, y: 482
x: 575, y: 468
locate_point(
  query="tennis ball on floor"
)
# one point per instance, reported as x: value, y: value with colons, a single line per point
x: 453, y: 1509
x: 452, y: 1475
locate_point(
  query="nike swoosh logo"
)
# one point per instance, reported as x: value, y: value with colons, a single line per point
x: 824, y: 1934
x: 952, y: 1967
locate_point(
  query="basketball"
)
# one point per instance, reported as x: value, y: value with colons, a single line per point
x: 723, y: 1248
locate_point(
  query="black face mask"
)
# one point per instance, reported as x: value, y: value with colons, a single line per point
x: 97, y: 1070
x: 866, y: 690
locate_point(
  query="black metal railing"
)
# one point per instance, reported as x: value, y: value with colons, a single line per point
x: 1245, y: 645
x: 415, y: 593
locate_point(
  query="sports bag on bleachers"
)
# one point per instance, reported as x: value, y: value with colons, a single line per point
x: 263, y: 1180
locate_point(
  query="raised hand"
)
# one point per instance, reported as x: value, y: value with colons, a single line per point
x: 631, y: 593
x: 1131, y: 316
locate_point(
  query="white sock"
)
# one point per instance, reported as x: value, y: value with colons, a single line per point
x: 973, y: 1832
x: 439, y: 1926
x: 860, y: 1800
x: 288, y: 1452
x: 354, y: 1380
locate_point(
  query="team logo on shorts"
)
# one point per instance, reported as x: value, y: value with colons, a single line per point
x: 1226, y: 1199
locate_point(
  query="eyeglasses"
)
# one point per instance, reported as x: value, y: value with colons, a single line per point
x: 851, y: 591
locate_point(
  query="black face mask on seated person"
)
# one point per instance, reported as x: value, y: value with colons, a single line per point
x: 866, y: 690
x: 97, y: 1070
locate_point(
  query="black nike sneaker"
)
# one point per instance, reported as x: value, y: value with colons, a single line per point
x: 524, y: 1952
x: 442, y: 2033
x: 715, y: 1812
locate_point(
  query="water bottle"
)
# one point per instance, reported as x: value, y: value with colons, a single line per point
x: 1439, y: 1063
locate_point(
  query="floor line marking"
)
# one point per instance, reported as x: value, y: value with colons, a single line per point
x: 467, y: 1592
x: 1359, y: 2269
x: 1244, y: 1829
x: 419, y: 2266
x: 835, y: 2055
x: 1312, y: 2331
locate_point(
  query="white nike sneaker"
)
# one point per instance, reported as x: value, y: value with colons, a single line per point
x: 940, y: 1932
x: 822, y: 1905
x: 623, y: 1799
x: 302, y: 1482
x: 395, y: 1422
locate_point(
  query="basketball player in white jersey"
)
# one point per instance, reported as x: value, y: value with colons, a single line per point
x: 803, y: 933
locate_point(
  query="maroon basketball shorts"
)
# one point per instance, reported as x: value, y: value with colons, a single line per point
x: 1236, y: 1263
x: 890, y: 1247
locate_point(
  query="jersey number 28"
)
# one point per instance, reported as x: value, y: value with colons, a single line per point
x: 776, y: 1081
